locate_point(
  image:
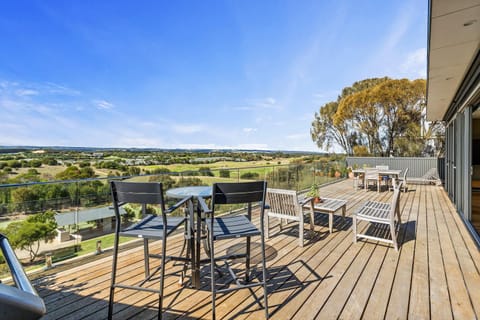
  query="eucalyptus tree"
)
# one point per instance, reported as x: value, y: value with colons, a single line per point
x: 378, y: 116
x: 329, y: 127
x: 382, y: 113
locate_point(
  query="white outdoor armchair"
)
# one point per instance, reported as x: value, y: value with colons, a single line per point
x: 284, y: 204
x: 382, y: 213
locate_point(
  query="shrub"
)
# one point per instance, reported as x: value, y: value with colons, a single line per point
x: 249, y: 175
x: 224, y: 173
x: 205, y: 171
x: 190, y: 181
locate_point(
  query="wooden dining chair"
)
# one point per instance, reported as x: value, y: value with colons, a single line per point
x: 150, y: 227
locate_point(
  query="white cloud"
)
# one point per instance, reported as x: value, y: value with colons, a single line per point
x: 23, y: 89
x: 267, y: 103
x: 4, y: 84
x: 243, y: 108
x: 416, y: 63
x: 139, y: 142
x: 103, y: 104
x: 148, y: 124
x: 252, y: 146
x: 249, y: 130
x: 26, y: 92
x: 259, y: 104
x: 200, y: 146
x: 188, y: 128
x: 298, y: 136
x: 54, y: 88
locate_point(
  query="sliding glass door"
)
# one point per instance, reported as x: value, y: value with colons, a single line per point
x: 459, y: 162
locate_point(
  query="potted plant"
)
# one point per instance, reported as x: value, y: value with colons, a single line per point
x: 350, y: 173
x: 314, y: 193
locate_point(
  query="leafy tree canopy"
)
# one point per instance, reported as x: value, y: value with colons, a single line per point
x: 379, y: 116
x: 27, y: 234
x: 73, y: 172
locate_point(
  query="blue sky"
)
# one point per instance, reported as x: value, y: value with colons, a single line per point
x: 193, y: 74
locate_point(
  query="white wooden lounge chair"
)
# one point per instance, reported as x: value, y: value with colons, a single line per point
x: 380, y: 212
x: 284, y: 204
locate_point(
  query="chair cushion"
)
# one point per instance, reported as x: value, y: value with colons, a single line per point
x: 232, y: 227
x: 151, y: 227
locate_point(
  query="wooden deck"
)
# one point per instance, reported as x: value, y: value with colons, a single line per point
x: 434, y: 275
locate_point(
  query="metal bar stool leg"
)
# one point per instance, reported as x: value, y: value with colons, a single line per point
x: 264, y: 271
x: 162, y: 276
x: 212, y: 272
x: 146, y: 255
x: 114, y: 273
x: 247, y: 261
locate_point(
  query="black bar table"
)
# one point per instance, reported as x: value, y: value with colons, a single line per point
x: 193, y: 234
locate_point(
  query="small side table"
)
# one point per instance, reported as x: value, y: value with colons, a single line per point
x: 330, y: 206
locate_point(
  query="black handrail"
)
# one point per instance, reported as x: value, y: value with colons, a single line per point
x: 22, y: 301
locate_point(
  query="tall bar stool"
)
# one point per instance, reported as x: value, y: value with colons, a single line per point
x: 150, y: 227
x: 233, y: 227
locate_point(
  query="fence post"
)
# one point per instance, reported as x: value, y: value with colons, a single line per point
x: 297, y: 180
x: 48, y: 261
x: 99, y: 247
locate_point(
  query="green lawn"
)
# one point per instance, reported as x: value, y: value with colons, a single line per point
x: 4, y: 224
x: 89, y: 246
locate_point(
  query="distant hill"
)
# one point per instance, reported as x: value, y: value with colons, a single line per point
x: 14, y: 149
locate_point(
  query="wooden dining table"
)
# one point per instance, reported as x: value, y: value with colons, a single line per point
x: 393, y: 173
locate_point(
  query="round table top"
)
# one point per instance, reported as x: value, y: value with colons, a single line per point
x: 196, y: 191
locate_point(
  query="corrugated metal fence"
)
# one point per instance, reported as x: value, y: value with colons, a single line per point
x: 417, y: 167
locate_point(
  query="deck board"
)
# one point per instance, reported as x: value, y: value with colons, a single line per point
x: 439, y: 297
x: 435, y: 274
x: 459, y: 297
x: 400, y: 290
x: 377, y: 304
x: 420, y: 289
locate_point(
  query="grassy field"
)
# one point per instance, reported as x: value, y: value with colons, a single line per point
x: 44, y: 170
x: 51, y: 171
x: 89, y: 246
x: 220, y: 165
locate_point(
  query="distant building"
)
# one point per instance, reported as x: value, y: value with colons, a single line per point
x: 104, y: 216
